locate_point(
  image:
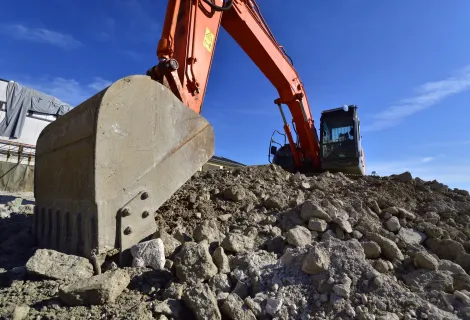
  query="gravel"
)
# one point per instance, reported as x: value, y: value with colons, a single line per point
x: 260, y: 243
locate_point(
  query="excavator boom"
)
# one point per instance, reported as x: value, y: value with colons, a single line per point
x: 104, y: 169
x: 189, y: 38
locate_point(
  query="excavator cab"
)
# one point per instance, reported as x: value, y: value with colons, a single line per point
x: 340, y: 141
x: 340, y: 145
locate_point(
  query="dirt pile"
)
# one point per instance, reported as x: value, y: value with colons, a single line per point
x: 261, y: 243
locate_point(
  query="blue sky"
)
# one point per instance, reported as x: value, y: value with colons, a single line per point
x: 406, y: 64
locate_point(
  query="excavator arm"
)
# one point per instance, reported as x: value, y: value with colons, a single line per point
x: 186, y: 49
x: 103, y: 169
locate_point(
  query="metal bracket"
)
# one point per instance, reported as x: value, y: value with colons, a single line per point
x: 135, y: 222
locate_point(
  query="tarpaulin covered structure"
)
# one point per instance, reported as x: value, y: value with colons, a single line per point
x: 21, y: 100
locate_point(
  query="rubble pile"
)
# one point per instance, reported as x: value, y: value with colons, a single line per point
x: 261, y: 243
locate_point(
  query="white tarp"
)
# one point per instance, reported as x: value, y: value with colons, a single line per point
x: 20, y: 100
x: 3, y: 91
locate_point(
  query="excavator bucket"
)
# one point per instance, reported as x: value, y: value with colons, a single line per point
x: 105, y: 167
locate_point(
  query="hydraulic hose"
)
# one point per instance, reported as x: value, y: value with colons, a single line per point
x: 227, y: 6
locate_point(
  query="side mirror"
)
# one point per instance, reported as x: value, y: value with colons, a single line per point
x: 273, y: 150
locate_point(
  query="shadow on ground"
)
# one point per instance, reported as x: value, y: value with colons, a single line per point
x: 7, y: 198
x: 17, y: 244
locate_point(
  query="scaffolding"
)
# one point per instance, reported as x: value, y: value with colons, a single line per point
x: 17, y: 152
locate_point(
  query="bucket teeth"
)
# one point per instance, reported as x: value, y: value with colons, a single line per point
x: 105, y: 167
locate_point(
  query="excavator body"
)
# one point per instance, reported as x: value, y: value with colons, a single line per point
x: 340, y: 145
x: 103, y: 169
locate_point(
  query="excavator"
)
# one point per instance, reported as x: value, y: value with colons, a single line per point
x: 103, y: 169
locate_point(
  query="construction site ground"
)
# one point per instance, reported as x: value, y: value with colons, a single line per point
x: 260, y: 243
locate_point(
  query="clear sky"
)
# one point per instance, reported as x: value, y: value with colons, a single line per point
x: 406, y: 64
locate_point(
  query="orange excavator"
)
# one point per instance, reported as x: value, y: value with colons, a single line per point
x: 103, y: 169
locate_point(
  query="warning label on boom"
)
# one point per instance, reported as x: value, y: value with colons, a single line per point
x: 208, y: 40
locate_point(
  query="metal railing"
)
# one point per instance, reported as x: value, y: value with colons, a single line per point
x: 20, y: 151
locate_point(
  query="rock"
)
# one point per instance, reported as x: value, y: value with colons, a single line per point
x: 432, y: 217
x: 375, y: 206
x: 221, y: 260
x: 20, y: 312
x: 388, y: 316
x: 381, y: 266
x: 194, y: 262
x: 343, y: 224
x: 387, y: 215
x: 168, y: 264
x: 201, y: 301
x: 241, y: 289
x: 411, y: 237
x: 170, y: 307
x: 316, y: 224
x: 437, y: 186
x: 344, y: 288
x: 234, y: 193
x: 276, y: 202
x: 253, y: 306
x: 237, y: 243
x: 59, y: 266
x: 305, y: 185
x: 454, y: 268
x: 371, y: 249
x: 426, y: 261
x: 388, y: 247
x: 423, y: 280
x: 5, y: 214
x: 465, y: 299
x: 224, y: 217
x: 207, y: 230
x: 356, y: 234
x: 445, y: 249
x: 273, y: 306
x: 15, y: 205
x: 234, y: 308
x: 464, y: 261
x: 97, y: 290
x: 220, y: 283
x: 311, y: 210
x: 174, y: 291
x: 299, y: 236
x: 461, y: 281
x: 406, y: 214
x: 316, y: 261
x: 150, y: 253
x: 403, y: 177
x: 393, y: 224
x: 392, y: 210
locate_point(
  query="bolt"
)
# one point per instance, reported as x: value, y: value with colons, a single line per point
x: 127, y: 231
x: 172, y: 64
x: 125, y: 212
x: 145, y: 214
x: 144, y: 195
